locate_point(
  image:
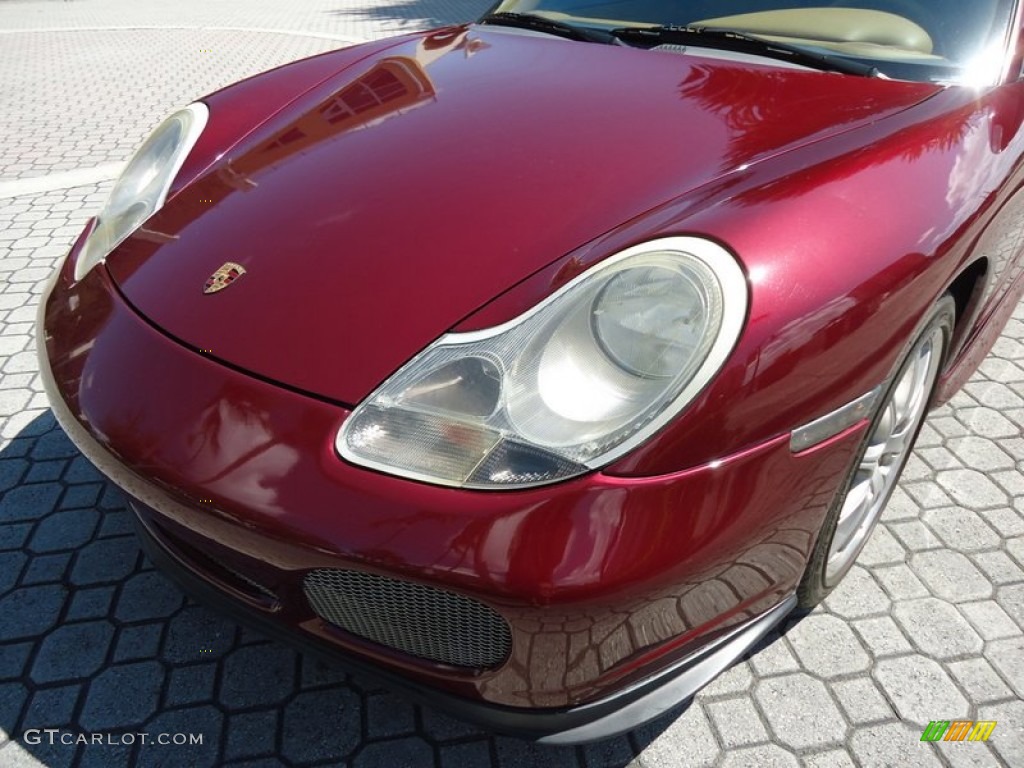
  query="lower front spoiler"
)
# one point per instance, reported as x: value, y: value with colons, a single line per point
x: 597, y: 720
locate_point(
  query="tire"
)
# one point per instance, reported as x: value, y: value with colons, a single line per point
x: 887, y: 445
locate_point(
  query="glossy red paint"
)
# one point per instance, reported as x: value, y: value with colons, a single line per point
x: 449, y: 191
x: 245, y: 472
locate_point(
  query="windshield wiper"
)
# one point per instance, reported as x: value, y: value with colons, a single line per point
x: 735, y: 40
x: 541, y: 24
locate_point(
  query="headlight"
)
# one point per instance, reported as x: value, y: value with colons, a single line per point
x: 571, y: 385
x: 140, y: 190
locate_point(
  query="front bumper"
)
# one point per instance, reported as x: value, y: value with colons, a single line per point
x: 623, y: 595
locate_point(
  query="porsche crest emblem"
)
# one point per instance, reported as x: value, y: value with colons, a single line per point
x: 223, y: 277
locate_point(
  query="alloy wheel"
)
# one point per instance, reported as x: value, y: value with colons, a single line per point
x: 888, y: 447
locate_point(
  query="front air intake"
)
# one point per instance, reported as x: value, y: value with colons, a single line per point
x: 422, y: 621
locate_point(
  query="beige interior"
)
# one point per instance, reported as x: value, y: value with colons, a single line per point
x: 853, y: 31
x: 833, y: 27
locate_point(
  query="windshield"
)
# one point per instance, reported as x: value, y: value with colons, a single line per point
x: 937, y: 40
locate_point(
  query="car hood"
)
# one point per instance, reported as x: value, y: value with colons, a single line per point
x: 386, y: 204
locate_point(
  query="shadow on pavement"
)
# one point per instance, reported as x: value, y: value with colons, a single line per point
x: 417, y: 14
x: 96, y: 643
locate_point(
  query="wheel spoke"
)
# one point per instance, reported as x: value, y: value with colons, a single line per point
x: 899, y: 442
x: 888, y: 447
x: 878, y: 483
x: 872, y: 457
x: 860, y: 498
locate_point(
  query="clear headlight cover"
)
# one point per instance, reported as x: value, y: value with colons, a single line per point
x: 571, y: 385
x: 141, y: 189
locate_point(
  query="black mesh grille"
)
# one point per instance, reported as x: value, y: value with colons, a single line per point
x: 422, y: 621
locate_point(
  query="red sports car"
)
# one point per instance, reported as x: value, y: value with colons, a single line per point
x: 541, y: 365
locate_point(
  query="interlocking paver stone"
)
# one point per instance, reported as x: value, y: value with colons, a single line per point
x: 251, y: 733
x: 45, y: 471
x: 439, y: 727
x: 197, y: 630
x: 30, y: 612
x: 899, y: 582
x: 999, y: 567
x: 122, y: 696
x: 140, y: 642
x: 477, y: 754
x: 105, y: 560
x: 1007, y: 522
x: 515, y: 752
x: 1007, y: 656
x: 65, y: 530
x: 769, y: 756
x: 980, y: 454
x: 987, y: 422
x: 893, y: 744
x: 737, y: 722
x: 44, y: 569
x: 882, y: 549
x: 1008, y: 743
x: 13, y: 660
x: 28, y: 502
x: 800, y: 711
x: 11, y: 566
x: 773, y: 657
x: 90, y: 603
x: 14, y: 535
x: 258, y: 675
x: 915, y: 535
x: 836, y: 758
x: 950, y: 575
x: 389, y: 716
x: 979, y: 680
x: 827, y: 647
x: 194, y: 720
x: 51, y: 707
x: 858, y: 595
x: 83, y: 495
x: 609, y: 753
x: 861, y: 700
x: 73, y: 651
x: 321, y: 724
x: 918, y: 688
x: 148, y: 595
x: 990, y: 620
x: 1011, y: 598
x: 927, y: 494
x: 937, y: 628
x: 736, y: 679
x: 190, y: 685
x: 957, y: 757
x: 669, y: 737
x: 399, y: 753
x: 961, y: 528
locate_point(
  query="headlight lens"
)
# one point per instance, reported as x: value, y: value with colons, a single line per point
x: 142, y: 187
x: 571, y: 385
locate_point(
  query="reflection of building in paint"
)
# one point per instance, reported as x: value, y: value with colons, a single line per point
x: 391, y: 85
